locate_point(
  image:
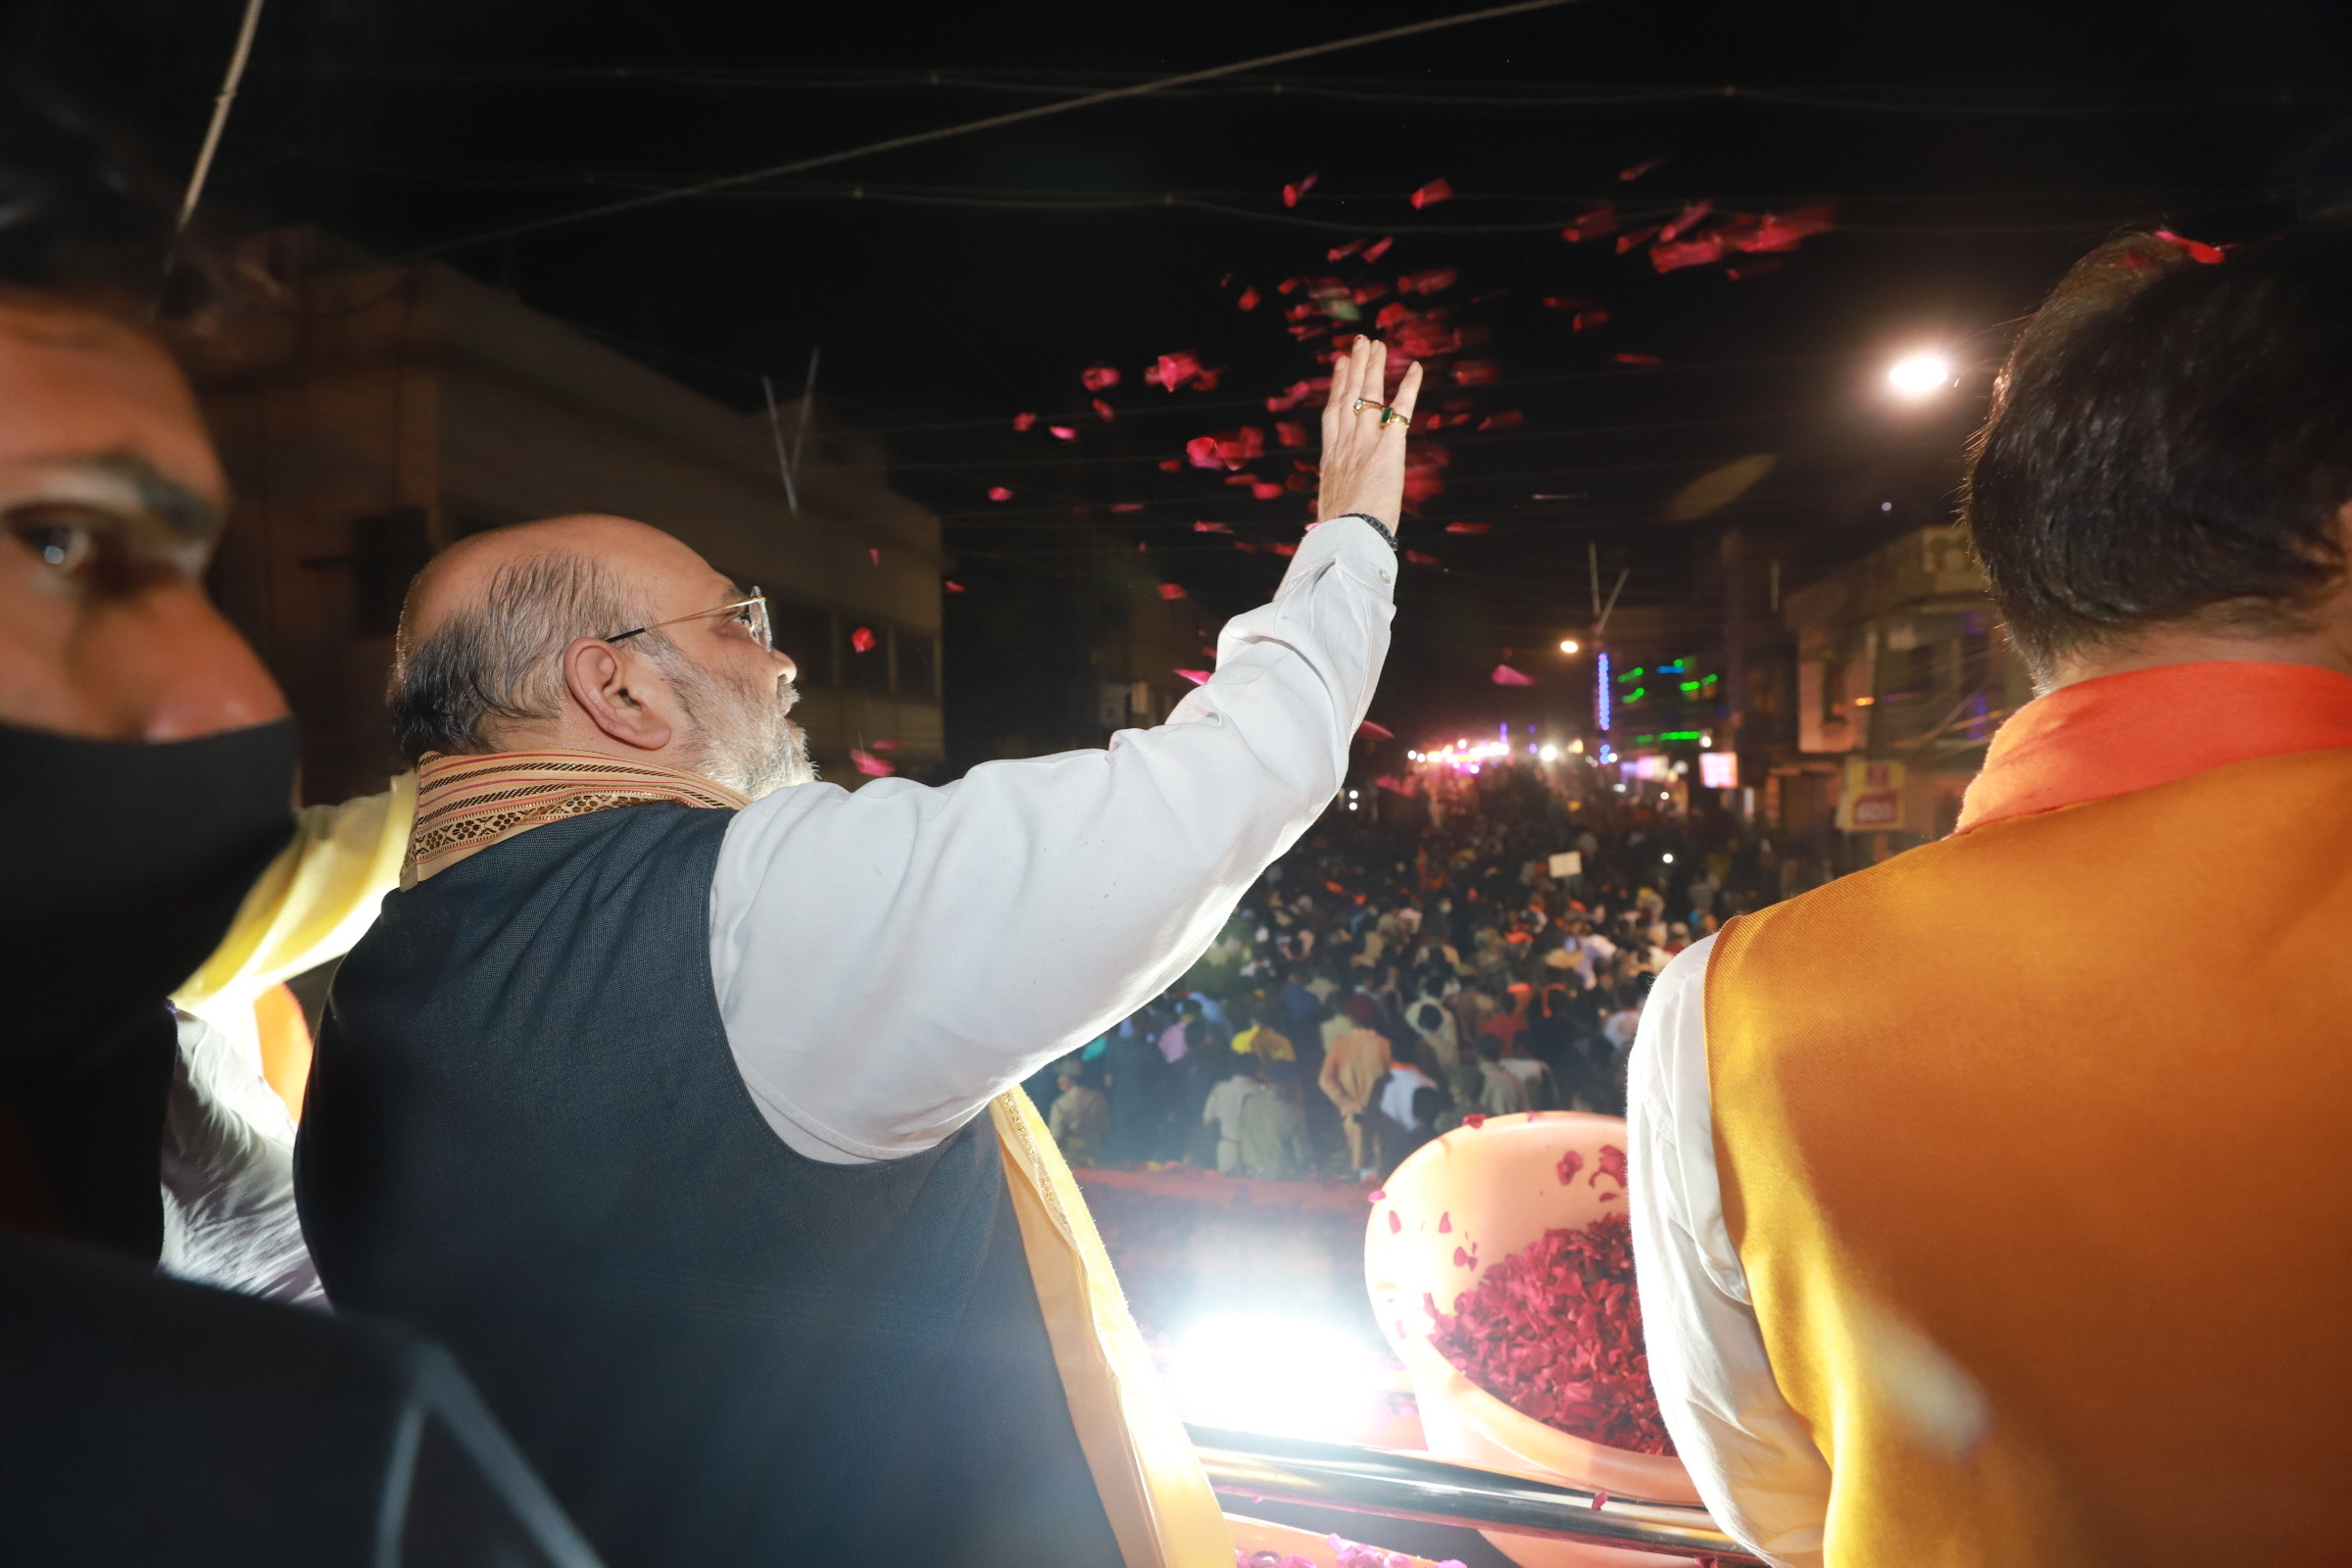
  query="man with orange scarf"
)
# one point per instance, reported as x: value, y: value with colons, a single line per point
x: 1979, y: 1218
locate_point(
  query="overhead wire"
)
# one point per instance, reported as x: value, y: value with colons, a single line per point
x: 991, y: 123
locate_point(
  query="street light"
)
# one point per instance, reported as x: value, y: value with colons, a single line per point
x: 1570, y: 645
x: 1922, y: 374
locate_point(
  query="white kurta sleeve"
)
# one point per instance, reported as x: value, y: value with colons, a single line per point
x: 227, y: 1169
x: 888, y: 961
x: 1751, y: 1456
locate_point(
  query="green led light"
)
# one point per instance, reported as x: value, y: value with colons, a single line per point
x: 1680, y: 735
x: 1637, y: 694
x: 1693, y: 685
x: 1633, y: 673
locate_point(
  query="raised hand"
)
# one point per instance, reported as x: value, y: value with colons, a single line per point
x: 1363, y: 447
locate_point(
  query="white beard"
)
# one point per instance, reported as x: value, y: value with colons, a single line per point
x: 742, y: 737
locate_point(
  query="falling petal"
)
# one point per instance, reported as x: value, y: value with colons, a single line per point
x: 953, y: 586
x: 863, y: 639
x: 999, y: 492
x: 1379, y: 248
x: 1024, y: 421
x: 1429, y: 195
x: 1686, y: 219
x: 869, y: 765
x: 1505, y: 675
x: 1642, y: 168
x: 1100, y: 377
x: 1171, y: 591
x: 1377, y: 733
x: 1469, y: 527
x: 1062, y: 433
x: 2198, y: 250
x: 1199, y: 678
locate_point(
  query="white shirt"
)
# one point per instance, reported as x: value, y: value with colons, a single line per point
x: 887, y: 962
x: 1751, y: 1456
x: 1397, y: 1095
x: 227, y: 1170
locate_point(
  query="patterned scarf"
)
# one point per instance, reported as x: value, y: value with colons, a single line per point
x: 467, y: 803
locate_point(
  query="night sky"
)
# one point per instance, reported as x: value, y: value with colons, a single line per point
x: 1969, y: 152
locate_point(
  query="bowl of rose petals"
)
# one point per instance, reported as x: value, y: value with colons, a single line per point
x: 1501, y: 1266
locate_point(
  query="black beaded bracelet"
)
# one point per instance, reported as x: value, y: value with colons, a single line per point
x: 1379, y: 527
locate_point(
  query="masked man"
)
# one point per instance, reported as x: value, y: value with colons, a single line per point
x: 1980, y: 1219
x: 148, y: 765
x: 664, y: 1091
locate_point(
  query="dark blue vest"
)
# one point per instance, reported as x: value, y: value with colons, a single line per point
x: 525, y: 1135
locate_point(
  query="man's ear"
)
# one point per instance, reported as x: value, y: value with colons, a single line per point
x: 598, y: 676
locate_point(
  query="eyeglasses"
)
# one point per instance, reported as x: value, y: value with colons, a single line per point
x: 751, y: 613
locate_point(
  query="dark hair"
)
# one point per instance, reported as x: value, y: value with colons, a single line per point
x: 495, y: 663
x: 2170, y: 439
x: 82, y: 218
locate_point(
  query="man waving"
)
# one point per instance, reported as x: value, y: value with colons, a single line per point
x: 658, y: 1093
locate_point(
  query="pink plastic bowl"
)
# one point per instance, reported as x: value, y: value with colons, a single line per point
x: 1495, y: 1188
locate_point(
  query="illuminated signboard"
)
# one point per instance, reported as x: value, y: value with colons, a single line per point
x: 1719, y: 770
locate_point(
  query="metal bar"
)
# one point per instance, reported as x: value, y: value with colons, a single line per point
x: 221, y: 106
x: 1413, y: 1486
x: 776, y: 428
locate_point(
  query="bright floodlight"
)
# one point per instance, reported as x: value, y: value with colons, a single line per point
x: 1276, y: 1374
x: 1916, y: 376
x: 1568, y: 646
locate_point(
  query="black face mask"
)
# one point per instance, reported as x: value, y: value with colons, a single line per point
x: 121, y: 864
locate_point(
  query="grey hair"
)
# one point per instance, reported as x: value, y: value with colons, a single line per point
x: 495, y: 663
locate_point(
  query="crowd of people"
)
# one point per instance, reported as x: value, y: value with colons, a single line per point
x: 1390, y: 976
x: 660, y: 1194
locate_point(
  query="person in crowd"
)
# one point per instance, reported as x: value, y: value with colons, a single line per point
x: 1893, y: 1305
x: 1406, y: 1079
x: 1273, y: 1129
x: 1356, y: 1068
x: 1222, y: 1110
x: 1080, y: 1120
x: 623, y: 875
x: 1137, y: 1081
x: 1176, y: 1040
x: 150, y: 769
x: 1500, y: 1092
x: 1428, y: 1112
x: 1299, y: 1004
x: 1508, y: 1019
x: 1261, y: 1040
x: 1436, y: 1027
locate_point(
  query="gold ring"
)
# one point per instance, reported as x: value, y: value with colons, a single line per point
x: 1361, y: 404
x: 1387, y: 413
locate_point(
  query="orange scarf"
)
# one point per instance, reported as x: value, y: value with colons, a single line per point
x: 467, y: 803
x: 2120, y: 733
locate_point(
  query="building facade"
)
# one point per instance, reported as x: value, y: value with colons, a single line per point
x: 371, y: 413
